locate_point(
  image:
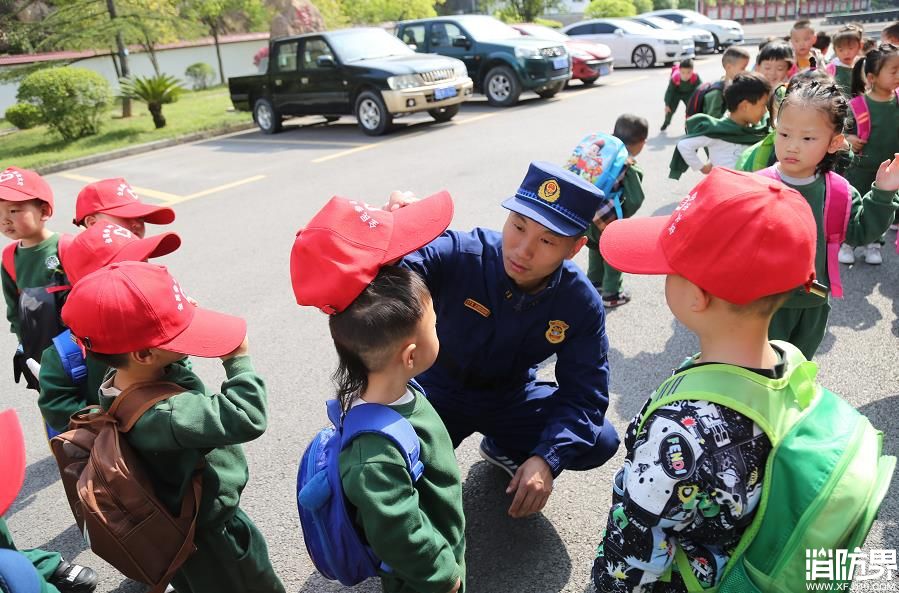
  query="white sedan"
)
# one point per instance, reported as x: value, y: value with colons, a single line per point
x: 634, y: 44
x: 726, y: 32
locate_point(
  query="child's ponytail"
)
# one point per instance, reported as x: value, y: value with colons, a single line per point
x: 858, y: 77
x: 350, y: 378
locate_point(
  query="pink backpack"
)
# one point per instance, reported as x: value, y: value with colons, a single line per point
x: 837, y: 208
x: 675, y: 75
x: 831, y: 68
x: 859, y: 108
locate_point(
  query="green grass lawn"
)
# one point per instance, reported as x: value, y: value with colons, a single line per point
x: 193, y: 112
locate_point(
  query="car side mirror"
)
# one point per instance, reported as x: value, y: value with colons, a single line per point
x: 325, y: 62
x: 461, y: 41
x: 619, y: 32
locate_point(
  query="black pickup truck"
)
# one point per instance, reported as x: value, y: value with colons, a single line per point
x: 364, y: 72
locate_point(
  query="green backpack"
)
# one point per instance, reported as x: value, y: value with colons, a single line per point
x: 824, y: 478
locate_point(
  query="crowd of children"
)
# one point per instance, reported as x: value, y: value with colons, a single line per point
x: 97, y: 323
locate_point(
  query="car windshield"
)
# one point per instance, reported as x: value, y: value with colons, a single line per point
x: 658, y: 22
x: 487, y: 28
x: 542, y: 32
x: 697, y: 17
x: 632, y: 27
x: 365, y: 44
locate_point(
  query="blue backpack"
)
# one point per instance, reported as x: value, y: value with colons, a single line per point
x: 335, y: 545
x: 72, y: 363
x: 601, y: 159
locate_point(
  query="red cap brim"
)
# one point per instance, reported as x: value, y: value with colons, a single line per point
x: 13, y: 195
x: 209, y: 335
x: 144, y: 249
x: 419, y: 223
x: 148, y: 212
x: 12, y: 458
x: 632, y: 245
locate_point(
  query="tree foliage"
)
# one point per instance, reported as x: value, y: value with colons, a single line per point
x: 155, y: 91
x: 220, y: 16
x: 642, y: 6
x: 610, y: 8
x: 71, y: 100
x: 379, y: 11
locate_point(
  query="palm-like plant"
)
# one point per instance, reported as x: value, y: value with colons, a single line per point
x: 155, y: 91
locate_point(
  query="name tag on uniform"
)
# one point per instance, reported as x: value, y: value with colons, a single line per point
x: 477, y: 307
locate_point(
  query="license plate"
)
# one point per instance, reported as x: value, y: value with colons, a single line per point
x: 604, y: 70
x: 559, y: 63
x: 444, y: 93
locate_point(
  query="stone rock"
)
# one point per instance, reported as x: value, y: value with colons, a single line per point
x: 295, y: 17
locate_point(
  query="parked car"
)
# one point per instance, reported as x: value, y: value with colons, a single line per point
x: 726, y: 33
x: 589, y: 61
x: 366, y: 72
x: 500, y: 61
x: 633, y: 43
x: 702, y: 39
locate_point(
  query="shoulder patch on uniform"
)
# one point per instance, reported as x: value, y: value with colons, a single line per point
x: 477, y: 307
x: 555, y: 334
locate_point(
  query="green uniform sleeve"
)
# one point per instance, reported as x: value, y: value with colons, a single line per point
x: 11, y: 295
x: 377, y: 483
x: 59, y: 398
x: 713, y: 104
x: 632, y: 190
x: 200, y: 420
x: 671, y: 95
x: 871, y: 216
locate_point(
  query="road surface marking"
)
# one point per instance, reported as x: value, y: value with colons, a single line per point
x: 299, y: 142
x: 150, y: 193
x: 468, y: 120
x: 344, y: 153
x: 212, y: 190
x: 629, y: 80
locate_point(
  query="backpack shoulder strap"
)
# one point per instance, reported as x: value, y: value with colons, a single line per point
x: 131, y: 404
x: 382, y: 420
x: 9, y: 259
x: 837, y: 209
x: 71, y: 356
x: 859, y: 108
x: 770, y: 172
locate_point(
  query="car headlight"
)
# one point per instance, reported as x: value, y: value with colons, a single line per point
x: 527, y: 52
x: 460, y: 70
x: 404, y: 81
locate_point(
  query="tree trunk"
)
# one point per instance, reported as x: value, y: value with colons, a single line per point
x: 151, y: 52
x: 156, y: 112
x: 123, y: 56
x: 218, y: 51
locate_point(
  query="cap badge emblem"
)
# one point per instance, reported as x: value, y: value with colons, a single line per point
x: 549, y: 191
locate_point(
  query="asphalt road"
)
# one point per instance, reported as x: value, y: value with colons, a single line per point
x: 240, y: 201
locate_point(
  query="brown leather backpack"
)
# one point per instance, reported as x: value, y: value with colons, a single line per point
x: 112, y: 497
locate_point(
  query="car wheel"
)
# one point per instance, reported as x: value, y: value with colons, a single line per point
x: 374, y: 119
x: 718, y: 47
x: 643, y: 57
x: 442, y: 114
x: 551, y: 91
x: 589, y: 81
x: 501, y: 87
x: 265, y: 116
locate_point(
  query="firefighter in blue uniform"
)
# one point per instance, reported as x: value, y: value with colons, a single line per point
x: 506, y: 302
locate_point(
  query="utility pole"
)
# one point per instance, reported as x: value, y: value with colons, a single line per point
x: 123, y: 56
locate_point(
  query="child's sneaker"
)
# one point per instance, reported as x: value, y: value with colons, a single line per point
x: 847, y: 254
x: 616, y: 300
x: 873, y: 255
x: 73, y: 578
x: 501, y: 459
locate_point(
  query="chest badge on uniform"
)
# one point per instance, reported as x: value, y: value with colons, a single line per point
x: 556, y: 332
x: 549, y: 190
x: 477, y: 307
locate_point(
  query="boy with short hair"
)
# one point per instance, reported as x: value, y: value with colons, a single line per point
x: 683, y: 82
x: 115, y: 201
x: 692, y: 477
x: 134, y: 317
x: 61, y: 395
x: 802, y: 38
x: 726, y: 138
x: 31, y: 266
x: 632, y: 130
x: 847, y: 43
x: 890, y: 34
x: 735, y: 60
x: 774, y: 62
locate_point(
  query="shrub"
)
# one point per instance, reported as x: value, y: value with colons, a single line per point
x: 548, y: 23
x: 609, y: 8
x: 23, y: 115
x: 71, y: 100
x: 201, y: 75
x: 155, y: 91
x: 642, y: 6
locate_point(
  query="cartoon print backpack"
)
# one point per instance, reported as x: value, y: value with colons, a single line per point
x: 837, y: 208
x: 859, y: 108
x: 601, y: 159
x: 694, y: 104
x: 825, y: 477
x: 329, y: 531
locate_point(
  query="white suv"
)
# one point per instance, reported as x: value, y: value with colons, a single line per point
x: 725, y: 32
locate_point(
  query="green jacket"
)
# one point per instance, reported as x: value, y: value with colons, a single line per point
x: 174, y: 435
x: 417, y: 529
x: 680, y: 92
x: 723, y: 128
x: 35, y: 267
x: 713, y: 103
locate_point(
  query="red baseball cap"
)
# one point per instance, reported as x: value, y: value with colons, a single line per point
x: 343, y: 247
x: 21, y: 185
x: 12, y: 458
x: 739, y: 236
x: 106, y: 243
x: 128, y: 306
x: 116, y: 197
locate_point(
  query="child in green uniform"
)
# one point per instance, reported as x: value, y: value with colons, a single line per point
x: 774, y: 62
x: 134, y: 317
x: 683, y: 82
x: 879, y: 72
x: 97, y: 246
x: 692, y: 477
x: 384, y: 329
x: 26, y: 204
x: 632, y: 130
x: 847, y: 43
x: 735, y: 59
x: 809, y: 134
